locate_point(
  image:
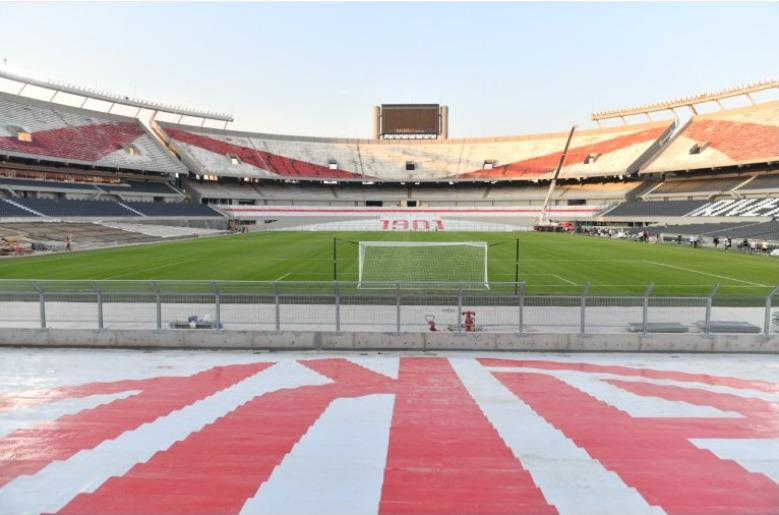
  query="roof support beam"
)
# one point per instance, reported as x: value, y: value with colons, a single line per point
x: 690, y: 102
x: 114, y: 99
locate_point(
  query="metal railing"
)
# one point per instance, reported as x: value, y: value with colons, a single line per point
x: 502, y: 307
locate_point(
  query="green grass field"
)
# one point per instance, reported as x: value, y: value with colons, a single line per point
x: 549, y: 263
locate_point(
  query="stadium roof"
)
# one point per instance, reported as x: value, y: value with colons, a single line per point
x: 89, y: 93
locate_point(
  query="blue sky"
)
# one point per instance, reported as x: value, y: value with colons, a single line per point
x: 317, y: 68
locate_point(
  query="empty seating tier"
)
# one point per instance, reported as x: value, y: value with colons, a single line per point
x: 164, y: 209
x: 708, y: 185
x: 57, y: 133
x: 733, y: 230
x: 134, y: 188
x: 158, y: 188
x: 9, y: 210
x: 727, y: 138
x: 76, y: 208
x: 593, y: 153
x: 458, y: 194
x: 31, y: 185
x: 762, y: 182
x: 655, y: 208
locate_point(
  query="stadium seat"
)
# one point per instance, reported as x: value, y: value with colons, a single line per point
x: 75, y: 208
x: 726, y: 138
x: 212, y: 151
x: 62, y: 134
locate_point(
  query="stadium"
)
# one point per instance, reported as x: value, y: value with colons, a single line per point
x: 197, y: 319
x: 685, y: 214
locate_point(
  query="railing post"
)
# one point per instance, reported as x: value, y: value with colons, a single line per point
x: 768, y: 305
x: 42, y: 303
x: 99, y: 304
x: 217, y: 305
x: 397, y: 308
x: 460, y: 309
x: 709, y: 301
x: 521, y: 291
x: 158, y: 300
x: 645, y: 310
x: 277, y: 299
x: 337, y: 292
x: 583, y: 308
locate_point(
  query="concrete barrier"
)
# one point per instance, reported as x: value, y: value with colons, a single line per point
x: 316, y: 340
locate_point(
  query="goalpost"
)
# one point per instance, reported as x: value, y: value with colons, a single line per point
x: 383, y: 263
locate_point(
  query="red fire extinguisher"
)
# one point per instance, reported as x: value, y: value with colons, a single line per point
x: 431, y: 322
x: 470, y: 321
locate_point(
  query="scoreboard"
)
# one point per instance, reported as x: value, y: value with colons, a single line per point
x: 410, y: 119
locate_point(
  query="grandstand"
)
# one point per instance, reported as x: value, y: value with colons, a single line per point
x: 594, y: 153
x: 733, y: 230
x: 725, y: 139
x: 44, y: 132
x: 66, y: 163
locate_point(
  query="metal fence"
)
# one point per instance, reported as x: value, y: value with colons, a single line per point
x: 377, y: 307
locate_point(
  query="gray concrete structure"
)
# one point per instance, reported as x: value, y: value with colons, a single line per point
x: 326, y: 340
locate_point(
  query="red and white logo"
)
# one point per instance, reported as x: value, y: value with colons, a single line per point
x: 395, y: 435
x: 404, y: 224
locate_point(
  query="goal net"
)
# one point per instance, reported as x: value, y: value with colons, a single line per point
x: 383, y: 263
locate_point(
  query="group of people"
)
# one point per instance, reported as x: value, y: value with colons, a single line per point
x: 744, y: 246
x: 236, y: 227
x: 646, y: 237
x: 604, y: 233
x: 726, y: 243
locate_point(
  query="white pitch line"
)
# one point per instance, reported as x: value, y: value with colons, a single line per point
x: 563, y: 279
x: 705, y: 273
x: 282, y: 277
x: 676, y: 285
x: 166, y: 265
x: 522, y: 275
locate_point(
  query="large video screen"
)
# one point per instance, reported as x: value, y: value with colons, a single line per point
x: 399, y: 119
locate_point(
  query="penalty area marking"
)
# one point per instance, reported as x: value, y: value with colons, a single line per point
x: 706, y: 273
x: 563, y: 279
x: 282, y: 277
x: 523, y: 275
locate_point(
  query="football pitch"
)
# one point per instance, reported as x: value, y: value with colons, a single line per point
x: 548, y: 263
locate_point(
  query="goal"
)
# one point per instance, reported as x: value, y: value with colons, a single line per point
x: 383, y: 263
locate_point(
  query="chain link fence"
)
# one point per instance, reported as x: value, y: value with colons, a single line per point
x: 377, y: 307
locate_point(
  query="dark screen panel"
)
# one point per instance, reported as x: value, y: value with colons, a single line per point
x: 409, y: 119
